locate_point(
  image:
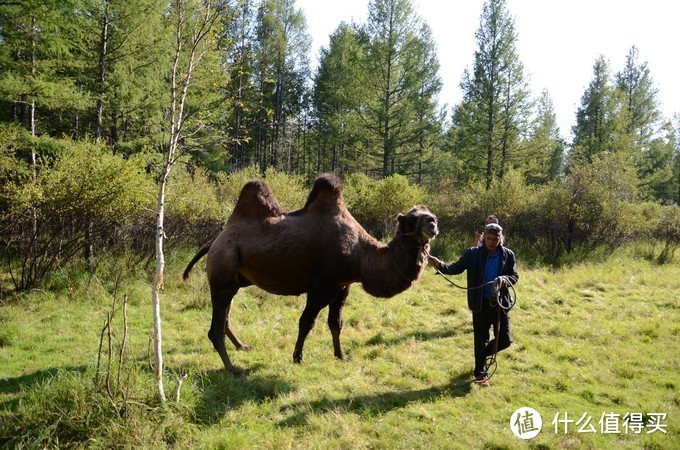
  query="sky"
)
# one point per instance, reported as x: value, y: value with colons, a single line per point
x: 558, y: 42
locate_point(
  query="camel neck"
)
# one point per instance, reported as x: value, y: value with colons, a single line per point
x: 391, y: 269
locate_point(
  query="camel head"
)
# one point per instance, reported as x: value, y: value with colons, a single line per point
x: 420, y: 223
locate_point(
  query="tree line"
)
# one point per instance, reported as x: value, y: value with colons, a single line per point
x: 88, y: 108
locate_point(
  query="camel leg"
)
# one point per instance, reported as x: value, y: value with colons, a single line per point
x: 335, y: 321
x: 221, y: 304
x: 306, y: 324
x: 232, y: 336
x: 318, y: 298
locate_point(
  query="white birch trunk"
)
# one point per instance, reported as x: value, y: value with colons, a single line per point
x: 157, y: 286
x: 178, y: 93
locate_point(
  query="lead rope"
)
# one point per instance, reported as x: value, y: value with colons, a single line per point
x: 491, y: 360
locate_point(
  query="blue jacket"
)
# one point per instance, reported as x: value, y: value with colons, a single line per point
x: 474, y: 261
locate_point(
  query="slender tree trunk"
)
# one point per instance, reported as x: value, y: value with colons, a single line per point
x: 387, y: 148
x: 158, y: 284
x: 181, y: 79
x: 102, y: 70
x: 238, y: 156
x: 31, y: 112
x: 489, y: 148
x: 278, y: 118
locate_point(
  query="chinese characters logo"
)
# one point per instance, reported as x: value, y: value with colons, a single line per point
x: 526, y: 423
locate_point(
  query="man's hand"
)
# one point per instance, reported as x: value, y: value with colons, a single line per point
x: 436, y: 262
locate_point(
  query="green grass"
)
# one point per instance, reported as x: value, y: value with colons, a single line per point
x: 589, y: 339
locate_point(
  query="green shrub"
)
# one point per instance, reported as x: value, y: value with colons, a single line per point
x: 289, y: 190
x: 193, y: 212
x: 668, y: 230
x: 81, y: 197
x: 376, y: 204
x: 461, y: 212
x: 594, y: 206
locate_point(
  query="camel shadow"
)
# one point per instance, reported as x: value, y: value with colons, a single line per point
x: 222, y: 392
x: 377, y: 404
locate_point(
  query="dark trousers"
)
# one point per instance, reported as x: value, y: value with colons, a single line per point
x: 481, y: 323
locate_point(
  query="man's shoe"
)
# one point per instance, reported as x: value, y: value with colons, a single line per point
x: 482, y: 380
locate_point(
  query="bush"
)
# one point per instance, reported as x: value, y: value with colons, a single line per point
x: 594, y: 206
x: 461, y: 212
x: 193, y: 212
x: 82, y: 197
x: 289, y: 190
x: 376, y: 204
x: 542, y: 226
x: 668, y: 230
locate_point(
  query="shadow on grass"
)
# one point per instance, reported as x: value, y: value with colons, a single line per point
x: 223, y: 392
x: 25, y: 382
x: 380, y: 339
x: 14, y: 386
x: 371, y: 405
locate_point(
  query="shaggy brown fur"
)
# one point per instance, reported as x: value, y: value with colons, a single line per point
x: 319, y: 250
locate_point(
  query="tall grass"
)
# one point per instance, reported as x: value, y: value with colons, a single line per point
x: 590, y: 339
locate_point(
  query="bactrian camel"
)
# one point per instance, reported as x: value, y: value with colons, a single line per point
x: 319, y: 250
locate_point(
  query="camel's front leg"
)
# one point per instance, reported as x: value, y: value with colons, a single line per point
x: 307, y: 320
x: 335, y: 321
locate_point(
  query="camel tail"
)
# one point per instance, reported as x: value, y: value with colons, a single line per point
x: 201, y: 253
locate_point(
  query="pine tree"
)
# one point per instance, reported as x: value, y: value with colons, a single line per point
x: 282, y: 69
x: 495, y: 103
x: 543, y: 152
x: 429, y: 116
x: 639, y: 100
x: 123, y: 75
x: 657, y: 165
x: 339, y: 89
x: 595, y: 118
x: 241, y: 87
x: 401, y: 71
x: 40, y: 63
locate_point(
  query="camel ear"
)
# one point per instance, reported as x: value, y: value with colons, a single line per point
x: 401, y: 219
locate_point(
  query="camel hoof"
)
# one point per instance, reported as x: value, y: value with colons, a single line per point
x: 297, y: 358
x: 344, y: 358
x: 245, y: 348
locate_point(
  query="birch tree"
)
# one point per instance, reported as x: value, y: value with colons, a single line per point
x: 194, y: 21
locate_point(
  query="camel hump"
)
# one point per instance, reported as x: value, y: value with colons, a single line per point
x: 326, y: 193
x: 257, y: 200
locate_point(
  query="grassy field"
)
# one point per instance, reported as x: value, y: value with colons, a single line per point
x: 593, y: 343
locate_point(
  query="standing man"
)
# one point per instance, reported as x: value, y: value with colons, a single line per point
x: 484, y: 265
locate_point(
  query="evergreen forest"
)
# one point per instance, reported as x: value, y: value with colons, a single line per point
x: 115, y: 114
